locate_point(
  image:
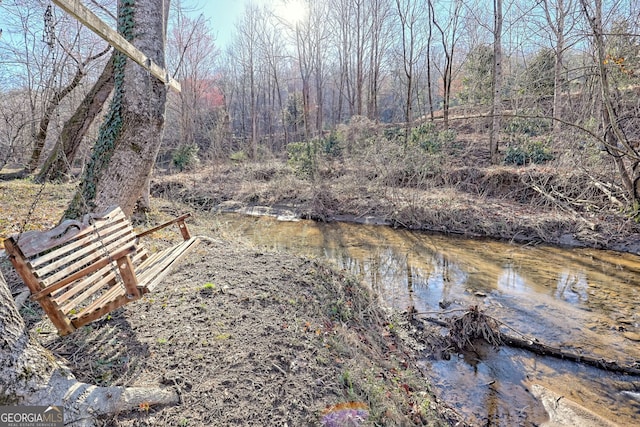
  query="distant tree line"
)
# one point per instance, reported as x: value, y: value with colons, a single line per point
x: 570, y: 64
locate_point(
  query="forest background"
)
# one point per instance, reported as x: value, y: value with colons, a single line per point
x: 384, y: 98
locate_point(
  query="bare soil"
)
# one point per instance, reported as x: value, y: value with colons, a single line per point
x: 250, y: 337
x: 247, y: 337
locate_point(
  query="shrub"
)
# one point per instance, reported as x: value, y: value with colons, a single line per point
x: 515, y: 156
x: 393, y: 134
x: 536, y: 152
x: 539, y: 152
x: 355, y: 136
x: 427, y: 137
x: 302, y: 157
x: 331, y: 145
x: 238, y: 156
x: 185, y: 157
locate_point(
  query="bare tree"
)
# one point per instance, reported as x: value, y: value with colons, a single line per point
x: 245, y: 52
x: 50, y: 55
x: 31, y: 61
x: 12, y: 123
x: 193, y: 49
x: 496, y: 94
x: 58, y: 164
x: 352, y: 35
x: 52, y: 104
x: 557, y: 13
x: 447, y: 25
x: 274, y: 56
x: 409, y: 15
x: 305, y: 49
x: 625, y: 156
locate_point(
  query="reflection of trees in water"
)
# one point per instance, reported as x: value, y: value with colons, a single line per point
x: 510, y: 279
x: 396, y: 274
x: 572, y: 287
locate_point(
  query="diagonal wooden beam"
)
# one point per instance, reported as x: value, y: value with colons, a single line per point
x: 79, y: 11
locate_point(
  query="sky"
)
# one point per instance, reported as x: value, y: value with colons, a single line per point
x: 223, y: 14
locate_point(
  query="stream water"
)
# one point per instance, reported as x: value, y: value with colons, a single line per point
x: 581, y: 300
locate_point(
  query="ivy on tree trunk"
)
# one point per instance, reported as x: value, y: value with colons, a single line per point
x: 130, y: 136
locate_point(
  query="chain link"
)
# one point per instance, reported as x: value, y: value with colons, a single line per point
x: 49, y: 34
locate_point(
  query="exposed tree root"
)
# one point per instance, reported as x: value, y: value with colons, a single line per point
x: 30, y: 375
x: 474, y: 325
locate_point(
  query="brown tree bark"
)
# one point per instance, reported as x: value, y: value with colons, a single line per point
x: 557, y: 25
x: 52, y: 104
x: 496, y: 101
x: 41, y: 136
x: 615, y: 140
x: 57, y: 165
x: 449, y: 37
x: 131, y: 135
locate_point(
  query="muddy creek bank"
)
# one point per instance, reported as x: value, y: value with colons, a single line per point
x: 581, y: 300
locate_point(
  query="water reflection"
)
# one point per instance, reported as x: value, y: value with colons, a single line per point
x: 572, y: 287
x: 582, y: 300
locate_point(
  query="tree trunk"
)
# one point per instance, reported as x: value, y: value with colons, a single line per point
x: 131, y: 135
x: 558, y: 84
x: 30, y: 375
x: 496, y: 104
x: 615, y: 140
x: 41, y: 137
x: 52, y: 105
x: 58, y: 165
x: 429, y: 78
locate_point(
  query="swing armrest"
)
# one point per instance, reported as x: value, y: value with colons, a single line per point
x: 181, y: 224
x: 84, y: 272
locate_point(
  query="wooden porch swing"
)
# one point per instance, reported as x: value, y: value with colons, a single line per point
x: 82, y: 270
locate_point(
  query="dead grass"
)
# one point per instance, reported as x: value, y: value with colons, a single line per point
x: 572, y: 200
x: 274, y: 339
x: 27, y: 206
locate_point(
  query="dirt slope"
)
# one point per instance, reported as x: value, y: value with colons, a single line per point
x: 250, y: 338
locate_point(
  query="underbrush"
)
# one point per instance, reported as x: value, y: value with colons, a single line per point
x: 425, y: 178
x: 433, y: 179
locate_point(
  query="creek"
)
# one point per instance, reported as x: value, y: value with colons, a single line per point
x: 581, y: 300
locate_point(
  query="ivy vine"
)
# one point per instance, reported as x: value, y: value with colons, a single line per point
x: 113, y: 124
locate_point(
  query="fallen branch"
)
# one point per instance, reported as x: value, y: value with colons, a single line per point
x: 535, y: 346
x: 560, y: 204
x: 607, y: 192
x: 545, y: 350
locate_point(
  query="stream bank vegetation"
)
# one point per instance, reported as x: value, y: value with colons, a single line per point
x: 556, y: 191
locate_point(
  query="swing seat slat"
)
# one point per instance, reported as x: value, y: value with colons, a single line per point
x: 82, y: 270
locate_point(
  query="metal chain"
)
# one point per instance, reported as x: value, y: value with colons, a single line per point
x: 103, y: 245
x: 49, y: 34
x: 32, y: 209
x: 48, y: 37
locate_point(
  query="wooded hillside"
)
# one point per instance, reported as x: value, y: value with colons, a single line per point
x: 295, y: 78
